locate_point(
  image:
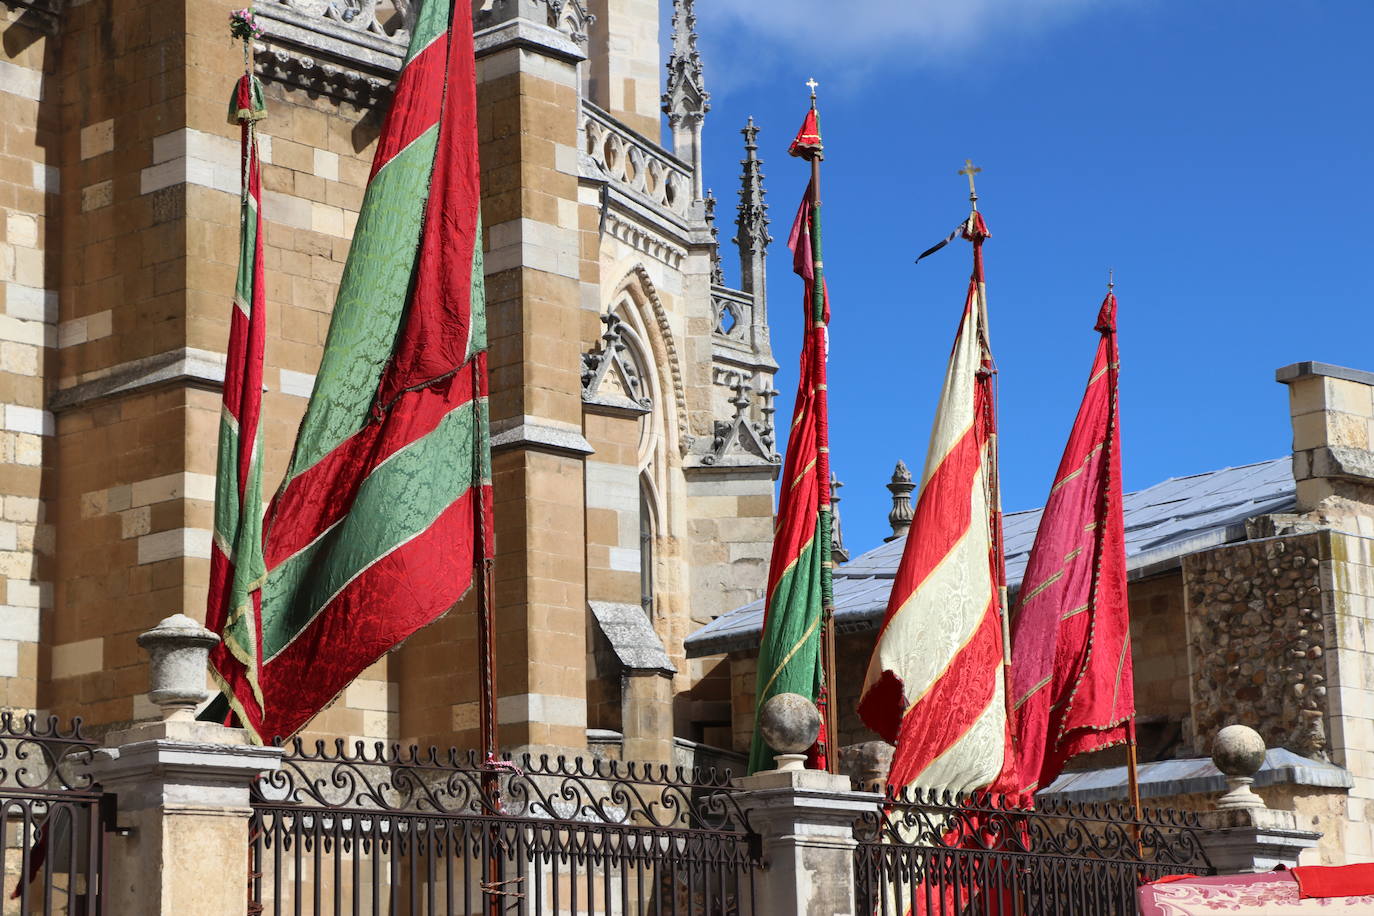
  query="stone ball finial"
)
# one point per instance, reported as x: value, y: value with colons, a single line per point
x: 790, y: 724
x: 1238, y: 750
x: 179, y: 651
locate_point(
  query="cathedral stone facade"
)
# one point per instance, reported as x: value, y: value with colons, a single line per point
x: 632, y: 394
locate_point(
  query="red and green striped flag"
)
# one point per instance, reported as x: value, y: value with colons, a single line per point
x: 236, y: 563
x: 798, y: 571
x: 384, y: 517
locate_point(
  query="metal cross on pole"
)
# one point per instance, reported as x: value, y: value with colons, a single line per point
x: 812, y: 84
x: 970, y: 170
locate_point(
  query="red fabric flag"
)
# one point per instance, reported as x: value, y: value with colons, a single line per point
x: 807, y: 144
x: 383, y: 522
x: 1071, y: 643
x: 935, y: 684
x: 790, y: 648
x: 234, y: 601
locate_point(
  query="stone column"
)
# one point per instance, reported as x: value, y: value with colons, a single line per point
x: 528, y: 108
x: 181, y: 790
x: 1242, y: 836
x: 625, y: 64
x: 805, y: 818
x: 1332, y: 411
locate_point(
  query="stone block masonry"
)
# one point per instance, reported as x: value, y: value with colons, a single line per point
x: 126, y: 338
x: 29, y: 221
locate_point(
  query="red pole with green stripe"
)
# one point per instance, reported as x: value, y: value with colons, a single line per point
x: 383, y: 522
x: 796, y: 650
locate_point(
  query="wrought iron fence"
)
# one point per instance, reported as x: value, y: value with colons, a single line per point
x: 384, y: 830
x: 51, y: 819
x: 939, y: 853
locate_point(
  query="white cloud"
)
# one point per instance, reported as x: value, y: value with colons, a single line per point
x: 863, y: 33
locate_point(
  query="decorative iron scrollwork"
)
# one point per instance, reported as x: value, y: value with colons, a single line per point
x: 40, y: 756
x: 390, y: 778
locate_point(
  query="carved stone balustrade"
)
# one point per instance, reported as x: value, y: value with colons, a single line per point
x: 634, y: 166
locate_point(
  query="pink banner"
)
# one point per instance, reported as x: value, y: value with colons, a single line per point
x: 1249, y: 895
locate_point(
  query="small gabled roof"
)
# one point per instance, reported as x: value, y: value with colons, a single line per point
x: 1163, y: 523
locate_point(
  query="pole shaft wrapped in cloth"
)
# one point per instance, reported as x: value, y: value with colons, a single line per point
x: 237, y: 570
x: 790, y: 648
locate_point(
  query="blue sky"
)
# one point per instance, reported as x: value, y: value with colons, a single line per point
x: 1216, y: 154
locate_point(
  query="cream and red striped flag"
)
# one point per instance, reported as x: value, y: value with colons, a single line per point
x: 1071, y: 640
x: 935, y: 683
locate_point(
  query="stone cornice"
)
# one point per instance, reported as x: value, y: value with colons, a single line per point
x: 522, y: 33
x: 307, y: 44
x: 198, y: 368
x: 537, y: 434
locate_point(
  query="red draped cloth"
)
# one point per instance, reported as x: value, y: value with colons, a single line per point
x: 1071, y: 644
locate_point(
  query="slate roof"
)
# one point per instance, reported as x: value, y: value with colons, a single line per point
x: 1163, y: 523
x: 1193, y: 776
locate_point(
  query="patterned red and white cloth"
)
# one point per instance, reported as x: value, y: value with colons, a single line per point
x: 935, y: 682
x: 1271, y: 893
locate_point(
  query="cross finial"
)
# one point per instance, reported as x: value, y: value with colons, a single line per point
x: 970, y: 170
x: 813, y: 84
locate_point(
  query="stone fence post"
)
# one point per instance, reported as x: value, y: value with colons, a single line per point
x: 182, y: 792
x: 805, y: 819
x: 1243, y: 836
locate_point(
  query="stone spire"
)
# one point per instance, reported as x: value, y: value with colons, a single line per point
x: 900, y: 516
x: 838, y: 553
x: 752, y: 236
x: 686, y: 100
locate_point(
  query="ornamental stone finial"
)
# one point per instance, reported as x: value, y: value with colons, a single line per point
x: 686, y: 100
x: 838, y: 553
x: 179, y: 650
x: 900, y: 486
x: 789, y: 724
x: 1238, y: 751
x: 717, y: 272
x: 752, y: 236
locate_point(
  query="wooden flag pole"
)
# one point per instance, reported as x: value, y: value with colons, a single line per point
x: 824, y: 534
x: 994, y: 462
x: 1132, y: 761
x: 492, y: 867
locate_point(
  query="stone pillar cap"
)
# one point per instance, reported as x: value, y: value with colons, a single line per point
x: 181, y: 627
x: 1308, y: 369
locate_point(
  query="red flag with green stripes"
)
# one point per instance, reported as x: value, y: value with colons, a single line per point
x: 385, y: 512
x: 236, y: 562
x: 790, y: 649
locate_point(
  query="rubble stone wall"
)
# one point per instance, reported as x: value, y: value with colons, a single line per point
x: 1257, y: 641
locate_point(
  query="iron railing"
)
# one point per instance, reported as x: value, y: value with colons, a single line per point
x: 51, y: 819
x: 939, y: 853
x: 385, y: 830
